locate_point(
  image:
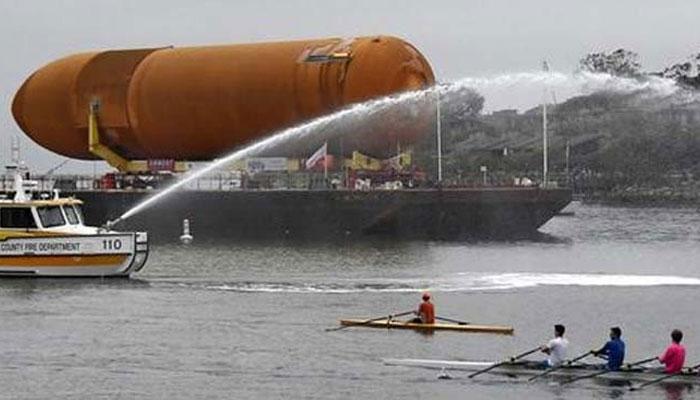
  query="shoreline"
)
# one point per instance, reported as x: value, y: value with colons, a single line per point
x: 645, y: 198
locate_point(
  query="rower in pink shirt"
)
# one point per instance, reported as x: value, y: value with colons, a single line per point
x: 674, y: 356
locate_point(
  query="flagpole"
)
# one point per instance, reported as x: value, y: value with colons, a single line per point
x: 325, y: 163
x: 439, y: 137
x: 342, y: 164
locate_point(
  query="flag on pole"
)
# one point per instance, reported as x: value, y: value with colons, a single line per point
x: 319, y: 155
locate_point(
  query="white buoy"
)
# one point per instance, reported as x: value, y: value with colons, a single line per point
x: 186, y: 237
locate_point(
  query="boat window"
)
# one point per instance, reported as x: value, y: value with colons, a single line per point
x: 79, y: 212
x: 71, y: 215
x: 50, y: 216
x: 16, y: 217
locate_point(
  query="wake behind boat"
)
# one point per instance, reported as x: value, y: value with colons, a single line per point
x: 532, y: 368
x: 395, y: 324
x: 48, y: 237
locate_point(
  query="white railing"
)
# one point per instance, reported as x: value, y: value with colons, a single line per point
x: 218, y: 182
x: 232, y: 181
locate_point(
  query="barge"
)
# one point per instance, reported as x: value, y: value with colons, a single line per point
x: 432, y: 214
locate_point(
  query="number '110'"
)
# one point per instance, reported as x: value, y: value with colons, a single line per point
x: 112, y: 244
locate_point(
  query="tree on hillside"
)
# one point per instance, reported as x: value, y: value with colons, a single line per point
x: 459, y: 112
x: 460, y: 105
x: 685, y: 73
x: 620, y: 62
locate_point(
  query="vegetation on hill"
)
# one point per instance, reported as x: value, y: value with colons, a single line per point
x: 628, y: 146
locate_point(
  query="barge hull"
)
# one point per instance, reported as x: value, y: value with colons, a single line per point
x: 433, y: 214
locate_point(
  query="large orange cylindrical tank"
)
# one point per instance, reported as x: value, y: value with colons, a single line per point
x: 197, y: 103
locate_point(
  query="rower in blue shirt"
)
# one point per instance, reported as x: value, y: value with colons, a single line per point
x: 613, y: 351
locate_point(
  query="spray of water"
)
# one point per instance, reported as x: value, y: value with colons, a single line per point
x: 286, y: 136
x: 581, y: 82
x: 323, y: 126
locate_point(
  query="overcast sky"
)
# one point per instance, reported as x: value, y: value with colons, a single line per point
x: 460, y: 38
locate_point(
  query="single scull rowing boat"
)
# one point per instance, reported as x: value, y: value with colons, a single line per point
x: 394, y: 324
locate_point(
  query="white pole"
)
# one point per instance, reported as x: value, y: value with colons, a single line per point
x: 545, y: 164
x: 439, y: 138
x: 544, y: 144
x: 568, y: 155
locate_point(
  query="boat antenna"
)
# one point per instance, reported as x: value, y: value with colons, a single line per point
x: 14, y: 150
x: 57, y: 166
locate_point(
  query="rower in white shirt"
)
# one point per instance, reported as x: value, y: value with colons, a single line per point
x: 556, y: 348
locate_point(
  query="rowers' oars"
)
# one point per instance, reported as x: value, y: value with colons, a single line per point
x: 452, y: 320
x: 560, y: 366
x: 663, y: 378
x: 605, y: 371
x: 508, y: 361
x: 369, y: 321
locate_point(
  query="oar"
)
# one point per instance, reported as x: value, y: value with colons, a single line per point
x: 508, y: 361
x: 452, y: 320
x: 560, y: 366
x: 634, y: 364
x: 663, y: 378
x: 369, y: 321
x: 605, y: 371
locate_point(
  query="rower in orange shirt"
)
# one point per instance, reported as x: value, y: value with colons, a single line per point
x: 426, y: 311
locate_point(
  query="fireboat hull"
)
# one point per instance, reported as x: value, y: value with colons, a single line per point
x: 47, y: 254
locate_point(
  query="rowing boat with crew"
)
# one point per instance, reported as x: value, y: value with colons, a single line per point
x: 534, y: 368
x: 567, y: 370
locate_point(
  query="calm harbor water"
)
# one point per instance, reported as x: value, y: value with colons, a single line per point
x: 242, y: 321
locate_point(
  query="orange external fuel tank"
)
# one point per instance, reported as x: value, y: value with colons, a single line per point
x: 197, y: 103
